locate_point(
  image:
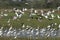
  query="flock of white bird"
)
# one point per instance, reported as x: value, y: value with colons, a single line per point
x: 19, y: 13
x: 28, y: 31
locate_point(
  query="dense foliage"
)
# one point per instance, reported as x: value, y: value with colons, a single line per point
x: 34, y: 3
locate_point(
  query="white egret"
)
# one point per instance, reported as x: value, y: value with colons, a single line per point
x: 58, y: 16
x: 58, y: 8
x: 59, y: 26
x: 52, y: 16
x: 23, y: 26
x: 5, y: 14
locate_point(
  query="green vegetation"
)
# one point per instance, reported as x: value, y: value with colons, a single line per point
x: 34, y: 3
x: 33, y: 22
